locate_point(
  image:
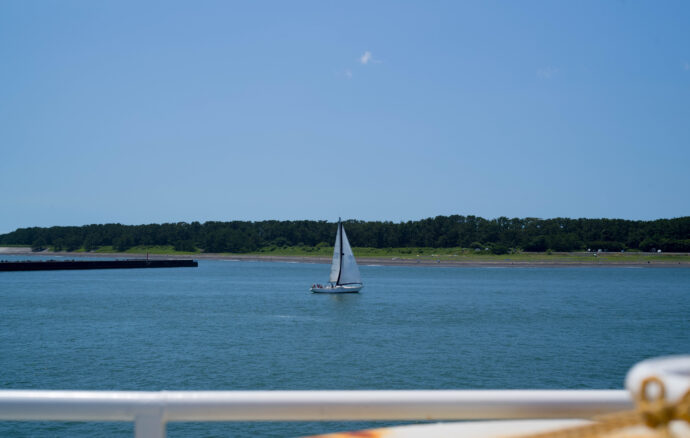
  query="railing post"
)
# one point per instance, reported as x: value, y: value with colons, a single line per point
x: 149, y: 426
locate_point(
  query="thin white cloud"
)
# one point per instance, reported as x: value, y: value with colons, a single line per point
x: 686, y: 66
x: 366, y: 58
x: 547, y: 72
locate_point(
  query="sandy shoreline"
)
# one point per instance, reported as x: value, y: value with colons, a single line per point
x: 364, y: 261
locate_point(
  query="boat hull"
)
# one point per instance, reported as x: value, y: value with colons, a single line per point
x: 349, y: 289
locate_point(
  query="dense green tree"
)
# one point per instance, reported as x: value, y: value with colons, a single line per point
x: 39, y: 244
x: 530, y: 234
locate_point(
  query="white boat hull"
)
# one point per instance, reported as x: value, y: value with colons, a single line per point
x: 345, y: 289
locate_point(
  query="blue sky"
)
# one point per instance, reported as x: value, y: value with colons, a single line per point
x: 144, y: 112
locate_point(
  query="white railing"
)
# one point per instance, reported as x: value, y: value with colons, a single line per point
x: 150, y: 411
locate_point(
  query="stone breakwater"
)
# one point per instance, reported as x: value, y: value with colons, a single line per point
x: 55, y: 265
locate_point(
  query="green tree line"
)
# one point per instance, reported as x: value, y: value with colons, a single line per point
x: 529, y: 234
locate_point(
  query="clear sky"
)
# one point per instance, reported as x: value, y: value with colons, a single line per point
x: 164, y: 111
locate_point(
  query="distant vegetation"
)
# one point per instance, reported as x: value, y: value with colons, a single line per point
x: 498, y: 236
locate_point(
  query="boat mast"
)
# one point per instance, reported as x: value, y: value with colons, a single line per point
x: 340, y: 231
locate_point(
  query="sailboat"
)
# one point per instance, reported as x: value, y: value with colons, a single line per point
x: 344, y: 276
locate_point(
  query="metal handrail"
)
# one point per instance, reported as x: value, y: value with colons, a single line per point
x: 150, y: 411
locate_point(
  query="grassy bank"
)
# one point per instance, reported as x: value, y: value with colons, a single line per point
x: 442, y: 254
x: 464, y: 254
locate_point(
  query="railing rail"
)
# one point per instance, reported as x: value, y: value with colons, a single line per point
x: 150, y: 411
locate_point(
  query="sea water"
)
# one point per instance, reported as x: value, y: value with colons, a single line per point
x: 230, y: 325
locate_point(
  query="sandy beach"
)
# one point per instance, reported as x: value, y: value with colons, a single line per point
x: 503, y: 262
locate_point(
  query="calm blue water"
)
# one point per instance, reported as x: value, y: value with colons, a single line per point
x: 243, y: 325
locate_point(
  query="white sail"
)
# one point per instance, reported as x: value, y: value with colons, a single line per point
x: 335, y: 267
x: 349, y: 271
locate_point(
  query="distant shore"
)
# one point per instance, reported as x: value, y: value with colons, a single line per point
x: 499, y: 262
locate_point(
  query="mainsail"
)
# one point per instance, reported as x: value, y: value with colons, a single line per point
x: 344, y: 269
x: 335, y: 266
